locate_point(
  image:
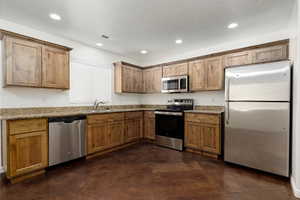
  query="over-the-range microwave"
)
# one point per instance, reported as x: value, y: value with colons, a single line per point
x: 175, y: 84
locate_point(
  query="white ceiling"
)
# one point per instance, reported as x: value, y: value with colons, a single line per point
x: 153, y: 25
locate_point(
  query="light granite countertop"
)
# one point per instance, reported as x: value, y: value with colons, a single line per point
x: 69, y: 113
x: 91, y: 112
x: 205, y: 111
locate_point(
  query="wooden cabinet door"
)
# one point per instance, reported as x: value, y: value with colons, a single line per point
x: 149, y: 128
x: 139, y: 81
x: 275, y: 53
x: 132, y: 130
x: 128, y: 79
x: 146, y: 80
x: 210, y: 138
x: 97, y: 137
x: 27, y: 152
x: 152, y: 80
x: 156, y: 79
x: 55, y: 68
x: 197, y: 75
x: 116, y: 133
x: 192, y: 134
x: 215, y: 73
x: 239, y: 58
x: 175, y: 70
x: 22, y: 62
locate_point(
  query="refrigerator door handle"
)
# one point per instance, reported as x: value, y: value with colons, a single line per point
x: 227, y: 86
x: 227, y: 113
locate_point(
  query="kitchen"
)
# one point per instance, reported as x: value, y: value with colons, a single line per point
x: 123, y: 134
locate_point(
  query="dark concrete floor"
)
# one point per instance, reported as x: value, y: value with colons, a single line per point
x: 146, y: 171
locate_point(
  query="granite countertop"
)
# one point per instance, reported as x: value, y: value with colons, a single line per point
x: 91, y: 112
x: 205, y: 111
x: 67, y: 113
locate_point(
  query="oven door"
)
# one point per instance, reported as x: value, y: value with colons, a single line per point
x: 169, y: 124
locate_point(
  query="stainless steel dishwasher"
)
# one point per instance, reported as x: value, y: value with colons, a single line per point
x: 66, y: 139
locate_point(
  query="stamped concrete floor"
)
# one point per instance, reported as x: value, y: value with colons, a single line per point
x: 146, y: 171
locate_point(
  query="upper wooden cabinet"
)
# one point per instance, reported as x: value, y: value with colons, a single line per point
x: 31, y: 62
x: 128, y: 78
x: 257, y: 55
x: 239, y: 58
x: 215, y: 73
x: 175, y: 70
x: 207, y: 74
x: 55, y: 68
x: 22, y: 62
x: 274, y: 53
x: 197, y: 75
x: 152, y: 80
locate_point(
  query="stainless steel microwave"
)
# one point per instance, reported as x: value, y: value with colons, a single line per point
x: 175, y: 84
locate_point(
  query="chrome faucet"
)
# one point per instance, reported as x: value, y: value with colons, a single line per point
x: 97, y: 103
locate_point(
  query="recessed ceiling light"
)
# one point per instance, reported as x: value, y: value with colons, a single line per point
x: 232, y: 25
x: 179, y: 41
x: 55, y: 16
x: 144, y: 51
x: 99, y: 44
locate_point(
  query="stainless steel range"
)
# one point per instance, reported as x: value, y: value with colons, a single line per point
x: 169, y: 123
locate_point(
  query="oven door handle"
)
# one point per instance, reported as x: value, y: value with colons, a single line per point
x: 168, y: 113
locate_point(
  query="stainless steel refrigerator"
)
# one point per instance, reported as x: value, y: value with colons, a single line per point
x: 257, y: 116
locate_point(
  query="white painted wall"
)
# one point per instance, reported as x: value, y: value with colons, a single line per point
x: 215, y: 98
x: 91, y: 77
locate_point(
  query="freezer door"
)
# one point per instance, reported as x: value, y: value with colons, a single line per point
x: 264, y: 82
x: 257, y: 135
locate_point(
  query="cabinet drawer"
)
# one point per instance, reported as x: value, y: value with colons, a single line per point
x: 100, y: 118
x: 26, y: 126
x: 203, y: 118
x: 149, y: 114
x: 132, y: 115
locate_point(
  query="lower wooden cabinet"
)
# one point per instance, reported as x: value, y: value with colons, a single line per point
x: 28, y: 152
x: 203, y: 132
x: 149, y: 125
x: 25, y: 148
x: 116, y: 133
x: 97, y: 137
x: 192, y: 135
x: 106, y: 131
x: 132, y: 130
x: 133, y: 126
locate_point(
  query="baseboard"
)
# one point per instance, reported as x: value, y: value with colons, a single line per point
x: 294, y: 188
